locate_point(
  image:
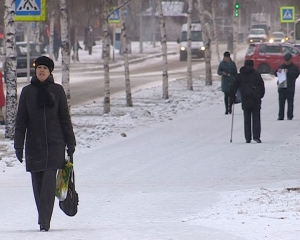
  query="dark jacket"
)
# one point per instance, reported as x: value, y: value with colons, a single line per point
x: 227, y: 80
x: 251, y: 86
x: 46, y: 131
x: 291, y: 75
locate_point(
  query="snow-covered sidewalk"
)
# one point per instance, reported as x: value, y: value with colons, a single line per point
x: 174, y: 176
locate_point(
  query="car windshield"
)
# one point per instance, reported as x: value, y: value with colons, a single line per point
x: 196, y: 36
x: 278, y: 35
x: 35, y: 49
x: 257, y: 31
x: 250, y: 50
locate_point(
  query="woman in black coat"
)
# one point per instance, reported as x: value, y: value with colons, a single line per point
x: 252, y: 89
x: 43, y: 123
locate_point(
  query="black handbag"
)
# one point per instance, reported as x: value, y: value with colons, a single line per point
x: 70, y: 205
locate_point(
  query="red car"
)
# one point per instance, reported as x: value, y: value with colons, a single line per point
x: 267, y: 57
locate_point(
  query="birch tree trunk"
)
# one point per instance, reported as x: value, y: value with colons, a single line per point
x: 234, y: 31
x: 141, y: 27
x: 206, y: 41
x: 189, y: 43
x: 51, y: 38
x: 125, y: 56
x: 152, y: 3
x: 75, y: 50
x: 36, y: 32
x: 10, y: 68
x: 106, y: 52
x: 165, y: 86
x: 65, y: 49
x: 216, y: 38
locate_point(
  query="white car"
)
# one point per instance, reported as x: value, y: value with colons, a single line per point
x: 278, y: 37
x: 257, y: 35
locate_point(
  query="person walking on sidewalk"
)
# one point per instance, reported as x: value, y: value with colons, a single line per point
x: 286, y: 88
x: 252, y: 89
x: 2, y: 99
x: 227, y: 69
x: 44, y: 125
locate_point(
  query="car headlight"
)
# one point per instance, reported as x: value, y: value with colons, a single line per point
x: 202, y: 48
x: 282, y: 40
x: 271, y: 40
x: 182, y: 48
x: 251, y: 40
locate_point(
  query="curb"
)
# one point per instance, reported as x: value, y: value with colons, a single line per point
x: 77, y: 67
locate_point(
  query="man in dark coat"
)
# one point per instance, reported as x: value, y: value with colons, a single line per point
x: 227, y: 69
x: 43, y: 124
x: 252, y: 89
x: 286, y: 88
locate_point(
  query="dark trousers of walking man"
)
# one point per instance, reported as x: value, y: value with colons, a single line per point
x: 283, y: 96
x: 43, y: 184
x: 254, y: 115
x: 228, y: 103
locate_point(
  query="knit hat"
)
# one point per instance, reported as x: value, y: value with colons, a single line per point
x: 249, y: 63
x: 43, y: 60
x: 287, y: 57
x: 226, y: 54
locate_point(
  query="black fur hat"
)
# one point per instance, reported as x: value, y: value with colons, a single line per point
x: 226, y: 54
x: 43, y: 60
x: 287, y: 57
x: 249, y: 63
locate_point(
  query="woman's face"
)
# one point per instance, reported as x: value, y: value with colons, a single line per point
x: 42, y: 72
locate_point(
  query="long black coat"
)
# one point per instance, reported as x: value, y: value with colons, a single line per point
x: 251, y: 86
x: 47, y: 130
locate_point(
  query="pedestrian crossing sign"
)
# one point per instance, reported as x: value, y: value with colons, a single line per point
x: 114, y: 15
x: 287, y: 14
x: 30, y: 10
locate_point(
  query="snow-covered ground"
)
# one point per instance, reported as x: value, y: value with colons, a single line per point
x: 165, y: 169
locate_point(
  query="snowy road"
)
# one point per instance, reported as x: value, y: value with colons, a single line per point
x: 87, y: 82
x: 179, y: 179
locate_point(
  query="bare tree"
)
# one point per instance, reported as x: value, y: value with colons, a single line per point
x: 125, y: 55
x: 106, y: 53
x: 189, y: 51
x: 51, y: 38
x: 216, y: 39
x: 10, y: 68
x: 234, y: 31
x: 141, y: 27
x: 206, y: 40
x: 165, y: 86
x: 64, y: 25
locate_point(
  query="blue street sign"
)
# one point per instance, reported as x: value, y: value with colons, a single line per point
x: 287, y: 14
x: 30, y: 10
x: 114, y: 16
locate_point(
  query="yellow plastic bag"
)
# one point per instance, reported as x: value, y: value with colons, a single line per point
x: 62, y: 181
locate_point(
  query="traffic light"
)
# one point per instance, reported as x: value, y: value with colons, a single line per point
x: 236, y: 7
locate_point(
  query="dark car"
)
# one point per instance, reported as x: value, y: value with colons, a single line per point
x: 35, y: 52
x: 268, y: 56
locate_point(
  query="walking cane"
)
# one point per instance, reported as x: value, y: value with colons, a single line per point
x: 232, y: 116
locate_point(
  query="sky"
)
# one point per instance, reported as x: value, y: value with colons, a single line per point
x: 174, y: 176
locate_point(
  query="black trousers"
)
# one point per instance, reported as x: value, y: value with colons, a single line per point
x: 228, y: 102
x: 283, y: 96
x: 43, y: 184
x: 252, y: 123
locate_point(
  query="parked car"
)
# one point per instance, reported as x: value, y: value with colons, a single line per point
x: 278, y: 37
x: 268, y: 56
x: 35, y: 52
x: 257, y: 35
